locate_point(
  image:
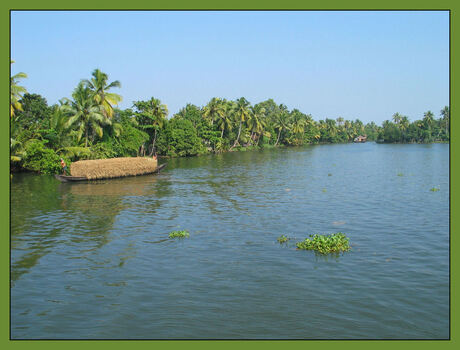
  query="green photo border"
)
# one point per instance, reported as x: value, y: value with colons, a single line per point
x: 451, y: 5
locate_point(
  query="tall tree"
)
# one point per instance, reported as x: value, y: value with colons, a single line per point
x: 298, y: 122
x: 16, y: 92
x: 241, y: 113
x: 428, y: 118
x: 257, y: 123
x: 100, y: 87
x: 224, y: 122
x: 445, y: 113
x: 85, y: 115
x: 397, y: 118
x: 151, y: 114
x: 403, y: 125
x: 214, y: 110
x: 281, y: 121
x: 331, y: 129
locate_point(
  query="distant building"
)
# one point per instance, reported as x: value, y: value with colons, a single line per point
x: 360, y: 138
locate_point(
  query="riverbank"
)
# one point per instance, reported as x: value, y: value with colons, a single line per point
x: 47, y: 169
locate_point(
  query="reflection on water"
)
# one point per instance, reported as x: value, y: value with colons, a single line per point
x: 82, y: 212
x: 130, y: 186
x: 93, y: 260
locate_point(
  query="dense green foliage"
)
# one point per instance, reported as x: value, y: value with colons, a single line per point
x: 179, y: 139
x: 427, y: 129
x: 38, y: 157
x: 90, y: 126
x: 325, y: 244
x: 179, y: 234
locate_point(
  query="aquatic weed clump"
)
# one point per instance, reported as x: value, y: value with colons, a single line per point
x: 325, y: 244
x: 434, y: 189
x: 282, y: 239
x: 178, y: 234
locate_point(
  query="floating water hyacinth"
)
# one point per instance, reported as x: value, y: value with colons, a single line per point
x: 325, y: 244
x: 282, y: 239
x: 434, y: 189
x: 178, y: 234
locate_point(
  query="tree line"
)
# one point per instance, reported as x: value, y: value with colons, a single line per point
x: 90, y: 126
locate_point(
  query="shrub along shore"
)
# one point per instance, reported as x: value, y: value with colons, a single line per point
x: 89, y: 126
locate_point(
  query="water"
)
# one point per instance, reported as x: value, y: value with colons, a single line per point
x: 94, y: 260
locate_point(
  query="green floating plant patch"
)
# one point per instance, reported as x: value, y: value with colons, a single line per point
x: 434, y: 189
x: 178, y: 234
x: 282, y: 239
x: 325, y: 244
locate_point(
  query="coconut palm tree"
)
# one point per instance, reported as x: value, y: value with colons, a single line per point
x: 257, y: 123
x: 349, y: 130
x: 224, y: 122
x: 16, y: 92
x: 403, y: 125
x: 241, y: 113
x: 331, y: 129
x: 214, y: 110
x: 359, y: 126
x: 397, y: 118
x: 99, y: 86
x: 151, y: 115
x: 84, y: 114
x: 298, y: 122
x: 428, y: 119
x: 281, y: 121
x: 445, y: 113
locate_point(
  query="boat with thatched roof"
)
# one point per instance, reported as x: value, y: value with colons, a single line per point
x: 98, y: 169
x: 360, y: 138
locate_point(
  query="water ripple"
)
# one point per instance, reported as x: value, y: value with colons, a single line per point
x: 95, y: 261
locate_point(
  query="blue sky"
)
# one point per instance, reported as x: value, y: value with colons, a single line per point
x: 365, y: 65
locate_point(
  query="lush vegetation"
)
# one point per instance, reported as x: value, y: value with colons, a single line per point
x: 325, y: 244
x: 90, y: 126
x: 179, y: 234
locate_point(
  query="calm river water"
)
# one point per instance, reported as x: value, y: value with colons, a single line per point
x: 94, y: 260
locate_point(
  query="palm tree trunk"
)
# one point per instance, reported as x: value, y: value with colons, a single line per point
x: 238, y: 137
x: 86, y: 137
x: 277, y: 140
x: 153, y: 143
x: 251, y: 138
x: 222, y: 134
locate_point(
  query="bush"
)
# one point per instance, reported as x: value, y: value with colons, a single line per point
x: 37, y: 157
x: 130, y: 140
x: 103, y: 150
x: 75, y: 153
x: 179, y: 139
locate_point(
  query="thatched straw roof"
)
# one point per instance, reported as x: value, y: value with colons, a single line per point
x: 114, y: 167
